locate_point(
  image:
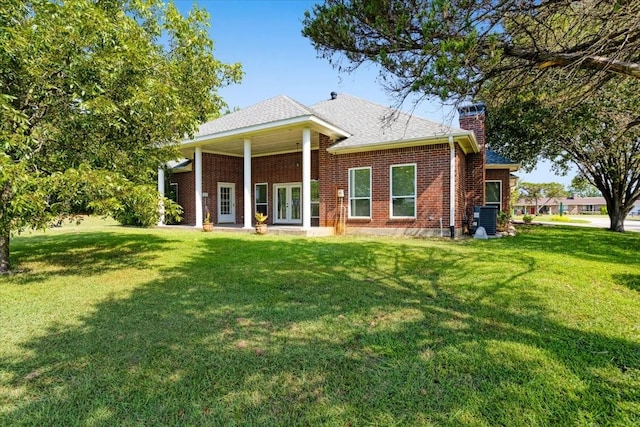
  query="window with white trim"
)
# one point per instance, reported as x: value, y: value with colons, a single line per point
x: 315, y: 199
x: 360, y: 192
x: 261, y: 198
x: 403, y: 191
x: 493, y: 194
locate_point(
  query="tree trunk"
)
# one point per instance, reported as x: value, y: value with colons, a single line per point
x: 617, y: 221
x: 4, y: 253
x: 616, y: 216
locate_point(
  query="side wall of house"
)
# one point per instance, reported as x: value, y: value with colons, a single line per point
x: 472, y: 119
x: 503, y: 176
x: 186, y: 191
x: 328, y: 179
x: 432, y: 198
x: 462, y: 215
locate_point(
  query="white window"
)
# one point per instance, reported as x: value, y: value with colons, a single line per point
x: 360, y: 192
x: 493, y: 194
x: 315, y: 199
x: 261, y: 198
x: 403, y: 191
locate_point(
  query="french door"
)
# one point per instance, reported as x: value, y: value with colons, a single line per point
x: 226, y: 202
x: 287, y: 203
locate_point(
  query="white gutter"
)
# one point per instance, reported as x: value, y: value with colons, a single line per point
x: 469, y: 136
x: 452, y: 187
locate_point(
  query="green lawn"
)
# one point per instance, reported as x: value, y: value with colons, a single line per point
x: 106, y: 325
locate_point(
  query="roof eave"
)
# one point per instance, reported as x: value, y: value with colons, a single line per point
x: 248, y: 131
x: 466, y: 140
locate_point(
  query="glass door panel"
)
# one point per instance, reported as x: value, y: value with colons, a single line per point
x: 281, y: 204
x: 296, y: 211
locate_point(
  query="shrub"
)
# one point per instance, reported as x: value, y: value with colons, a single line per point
x: 558, y: 218
x: 503, y: 220
x: 139, y: 207
x: 527, y: 219
x: 603, y: 210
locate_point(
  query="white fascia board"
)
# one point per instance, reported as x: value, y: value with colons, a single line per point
x: 331, y: 128
x: 511, y: 166
x: 390, y: 145
x: 263, y: 127
x: 240, y: 156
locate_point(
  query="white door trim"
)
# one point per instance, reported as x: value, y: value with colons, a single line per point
x: 227, y: 212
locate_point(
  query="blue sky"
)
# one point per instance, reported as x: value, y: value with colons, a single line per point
x: 265, y: 37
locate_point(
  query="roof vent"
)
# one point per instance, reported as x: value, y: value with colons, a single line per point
x: 334, y: 95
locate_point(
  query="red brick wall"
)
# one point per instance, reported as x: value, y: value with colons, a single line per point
x: 432, y: 185
x: 281, y: 168
x: 327, y: 176
x: 502, y: 175
x: 186, y: 191
x: 218, y: 168
x: 461, y: 183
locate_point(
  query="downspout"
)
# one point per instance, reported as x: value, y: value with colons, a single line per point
x: 452, y: 187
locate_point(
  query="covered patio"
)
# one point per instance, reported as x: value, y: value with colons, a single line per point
x: 276, y: 127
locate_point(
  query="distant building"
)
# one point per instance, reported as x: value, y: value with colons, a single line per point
x: 570, y: 205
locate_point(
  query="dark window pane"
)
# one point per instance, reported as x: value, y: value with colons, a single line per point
x: 403, y: 180
x: 492, y: 192
x: 360, y: 183
x: 404, y: 207
x: 361, y: 207
x: 261, y: 193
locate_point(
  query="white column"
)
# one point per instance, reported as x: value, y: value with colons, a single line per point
x: 161, y: 192
x: 198, y: 167
x: 452, y: 187
x: 247, y: 184
x: 306, y: 178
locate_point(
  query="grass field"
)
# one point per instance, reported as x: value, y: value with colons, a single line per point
x: 104, y: 325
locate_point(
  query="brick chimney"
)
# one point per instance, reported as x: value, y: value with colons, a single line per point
x: 472, y: 117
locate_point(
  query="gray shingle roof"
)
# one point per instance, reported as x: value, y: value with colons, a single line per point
x: 494, y: 158
x: 367, y: 124
x: 366, y: 121
x: 271, y: 110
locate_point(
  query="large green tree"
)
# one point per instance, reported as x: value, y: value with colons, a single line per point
x: 451, y: 48
x: 599, y: 135
x: 561, y: 74
x: 93, y: 97
x: 582, y: 188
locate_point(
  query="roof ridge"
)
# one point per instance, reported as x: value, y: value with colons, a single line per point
x: 295, y: 102
x: 397, y: 112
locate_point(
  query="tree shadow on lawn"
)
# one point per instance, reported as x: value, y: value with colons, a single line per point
x: 631, y: 281
x: 82, y: 254
x: 586, y: 243
x: 310, y: 332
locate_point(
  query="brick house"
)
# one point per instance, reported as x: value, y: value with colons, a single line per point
x: 343, y: 162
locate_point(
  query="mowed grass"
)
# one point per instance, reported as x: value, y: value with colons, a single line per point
x: 104, y: 325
